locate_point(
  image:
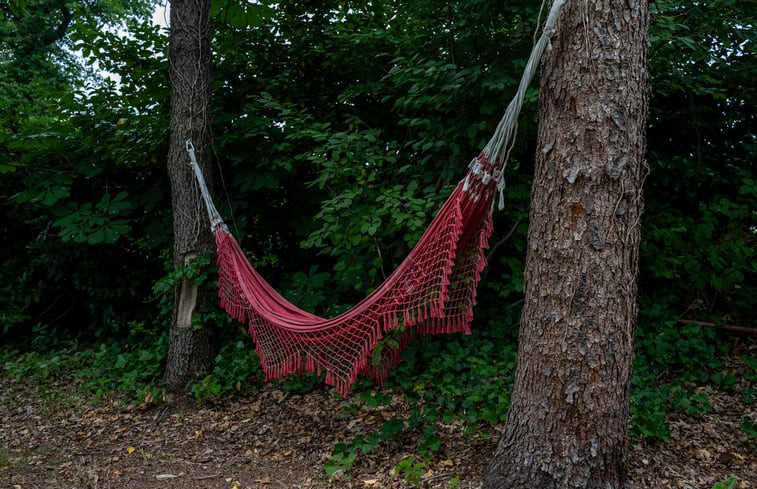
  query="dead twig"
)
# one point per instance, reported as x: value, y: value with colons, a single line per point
x: 501, y: 241
x: 205, y: 477
x: 725, y: 327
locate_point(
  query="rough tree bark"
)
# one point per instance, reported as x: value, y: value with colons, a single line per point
x: 190, y: 350
x: 570, y: 403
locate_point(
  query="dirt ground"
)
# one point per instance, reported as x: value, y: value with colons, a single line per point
x: 53, y: 437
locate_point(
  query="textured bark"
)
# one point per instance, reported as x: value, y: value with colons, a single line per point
x: 190, y: 351
x: 570, y: 403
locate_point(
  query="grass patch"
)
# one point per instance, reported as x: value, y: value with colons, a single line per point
x: 5, y: 458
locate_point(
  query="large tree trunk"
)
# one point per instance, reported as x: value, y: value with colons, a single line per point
x: 190, y: 350
x: 570, y: 403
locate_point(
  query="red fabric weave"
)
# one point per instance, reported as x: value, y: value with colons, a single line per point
x: 432, y: 291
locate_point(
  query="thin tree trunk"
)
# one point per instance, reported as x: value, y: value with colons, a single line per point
x: 570, y: 403
x: 190, y: 351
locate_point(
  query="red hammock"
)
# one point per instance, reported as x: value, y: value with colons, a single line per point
x: 432, y: 291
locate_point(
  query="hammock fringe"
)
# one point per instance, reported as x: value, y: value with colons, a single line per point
x: 433, y: 291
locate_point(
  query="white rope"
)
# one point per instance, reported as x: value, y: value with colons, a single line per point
x: 213, y: 215
x: 497, y: 149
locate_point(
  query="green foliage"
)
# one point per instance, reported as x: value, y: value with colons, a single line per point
x: 344, y: 455
x: 729, y: 483
x: 649, y: 410
x: 236, y: 371
x: 341, y: 460
x: 308, y: 289
x: 749, y: 394
x: 690, y: 351
x: 411, y: 469
x: 671, y: 361
x: 698, y: 241
x: 750, y: 362
x: 698, y: 234
x: 134, y: 370
x: 392, y: 432
x: 468, y: 377
x: 4, y: 458
x: 750, y: 428
x: 33, y: 366
x: 83, y: 199
x: 304, y: 383
x: 36, y: 60
x: 238, y: 13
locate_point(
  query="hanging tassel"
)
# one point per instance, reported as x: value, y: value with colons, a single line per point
x: 501, y: 188
x: 466, y: 183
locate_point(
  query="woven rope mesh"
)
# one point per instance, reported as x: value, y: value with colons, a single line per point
x: 432, y: 291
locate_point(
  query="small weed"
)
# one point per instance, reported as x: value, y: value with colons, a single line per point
x: 375, y: 399
x: 341, y: 460
x: 431, y: 441
x: 725, y: 381
x: 411, y: 469
x: 649, y: 409
x: 693, y: 402
x: 748, y: 395
x: 52, y: 399
x: 391, y: 429
x: 729, y: 483
x: 5, y: 458
x: 749, y: 428
x: 750, y: 363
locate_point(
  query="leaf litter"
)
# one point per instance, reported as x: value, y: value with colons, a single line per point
x: 276, y: 439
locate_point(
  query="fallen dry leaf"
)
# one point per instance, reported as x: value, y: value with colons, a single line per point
x: 291, y: 441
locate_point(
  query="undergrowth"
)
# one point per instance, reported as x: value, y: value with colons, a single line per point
x: 461, y: 379
x: 131, y: 370
x: 236, y: 371
x: 673, y: 363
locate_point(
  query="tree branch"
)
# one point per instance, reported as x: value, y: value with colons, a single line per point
x: 501, y: 241
x: 725, y: 327
x: 60, y: 31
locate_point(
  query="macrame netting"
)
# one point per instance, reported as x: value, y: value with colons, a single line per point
x: 432, y: 291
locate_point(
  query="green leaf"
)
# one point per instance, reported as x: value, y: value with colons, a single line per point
x: 391, y: 428
x: 239, y: 13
